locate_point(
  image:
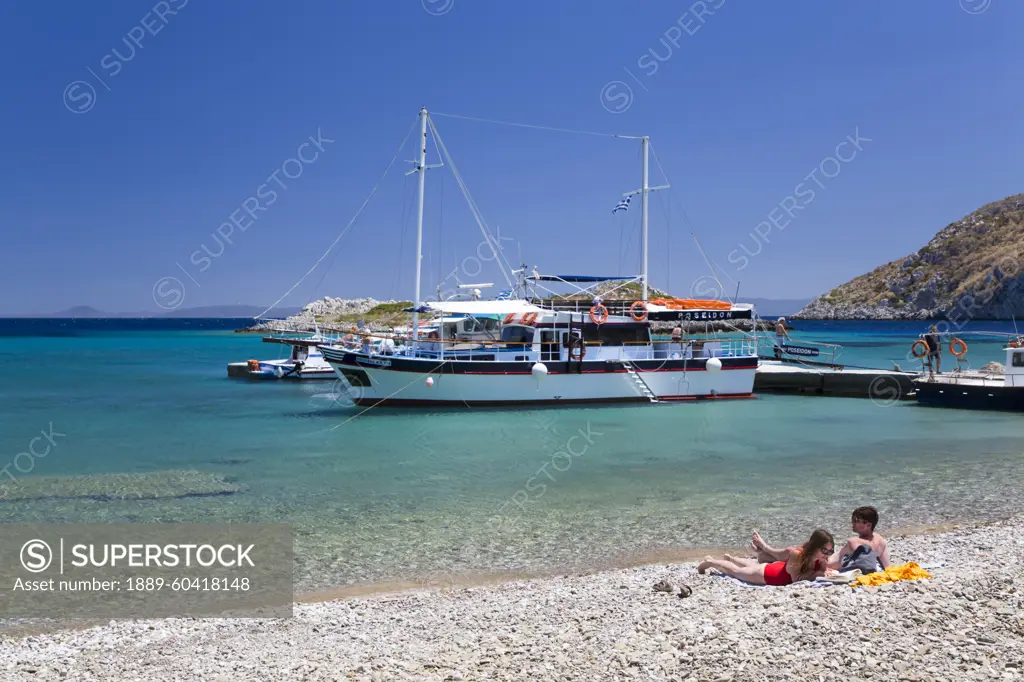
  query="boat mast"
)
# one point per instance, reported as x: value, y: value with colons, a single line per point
x: 421, y: 168
x: 644, y: 189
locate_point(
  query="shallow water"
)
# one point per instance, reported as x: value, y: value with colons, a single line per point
x: 398, y: 495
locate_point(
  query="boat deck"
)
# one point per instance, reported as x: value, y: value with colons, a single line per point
x: 778, y: 376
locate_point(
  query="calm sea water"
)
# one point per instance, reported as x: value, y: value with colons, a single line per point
x: 393, y: 495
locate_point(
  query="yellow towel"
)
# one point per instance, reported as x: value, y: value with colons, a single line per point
x: 908, y: 571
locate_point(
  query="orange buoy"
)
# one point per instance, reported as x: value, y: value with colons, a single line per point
x: 919, y: 344
x: 510, y: 318
x: 529, y: 319
x: 638, y: 311
x: 954, y: 345
x: 254, y: 365
x: 598, y: 314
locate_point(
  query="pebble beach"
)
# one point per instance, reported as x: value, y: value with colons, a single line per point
x: 964, y: 624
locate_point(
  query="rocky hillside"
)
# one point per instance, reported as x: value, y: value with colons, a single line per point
x: 971, y: 269
x: 330, y: 313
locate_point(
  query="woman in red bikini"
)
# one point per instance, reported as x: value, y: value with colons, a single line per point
x: 807, y: 563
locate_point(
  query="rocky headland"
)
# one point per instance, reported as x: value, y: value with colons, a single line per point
x: 971, y: 269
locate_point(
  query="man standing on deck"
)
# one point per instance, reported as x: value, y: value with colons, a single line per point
x: 934, y: 350
x: 781, y: 335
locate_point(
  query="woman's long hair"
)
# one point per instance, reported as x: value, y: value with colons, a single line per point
x: 819, y: 538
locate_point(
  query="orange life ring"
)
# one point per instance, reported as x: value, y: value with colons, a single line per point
x: 254, y: 365
x: 598, y: 315
x: 924, y: 349
x: 642, y: 307
x: 529, y: 319
x: 510, y: 318
x: 953, y: 346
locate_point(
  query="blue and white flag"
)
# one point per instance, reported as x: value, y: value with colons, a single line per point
x: 622, y: 205
x: 504, y: 295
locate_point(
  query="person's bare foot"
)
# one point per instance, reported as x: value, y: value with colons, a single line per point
x: 729, y: 557
x: 704, y: 565
x: 757, y: 542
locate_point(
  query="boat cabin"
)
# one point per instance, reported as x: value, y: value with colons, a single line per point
x: 1014, y: 372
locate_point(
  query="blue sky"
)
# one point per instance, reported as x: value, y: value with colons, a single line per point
x: 120, y: 166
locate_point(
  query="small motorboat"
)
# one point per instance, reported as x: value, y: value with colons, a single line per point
x: 978, y: 389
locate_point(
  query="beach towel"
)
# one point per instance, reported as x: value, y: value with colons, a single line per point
x: 907, y: 571
x: 862, y: 558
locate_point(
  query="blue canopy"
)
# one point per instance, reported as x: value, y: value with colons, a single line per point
x: 576, y: 278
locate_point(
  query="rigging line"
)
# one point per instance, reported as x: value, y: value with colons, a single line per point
x: 690, y: 223
x: 360, y: 414
x: 347, y: 227
x: 498, y: 256
x: 406, y: 215
x: 536, y: 127
x: 721, y: 287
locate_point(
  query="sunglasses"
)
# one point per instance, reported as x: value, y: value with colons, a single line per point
x: 827, y: 552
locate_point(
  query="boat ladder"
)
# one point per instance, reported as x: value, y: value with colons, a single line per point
x: 639, y: 382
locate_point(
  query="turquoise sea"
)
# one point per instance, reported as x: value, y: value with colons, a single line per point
x: 430, y: 496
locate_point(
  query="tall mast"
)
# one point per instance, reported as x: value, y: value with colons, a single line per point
x: 644, y: 189
x: 421, y: 168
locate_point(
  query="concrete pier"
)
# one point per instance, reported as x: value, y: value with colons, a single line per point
x: 780, y: 376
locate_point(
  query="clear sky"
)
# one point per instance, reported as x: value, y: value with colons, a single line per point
x: 133, y: 131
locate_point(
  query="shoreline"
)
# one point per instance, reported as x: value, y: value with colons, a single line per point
x: 448, y: 581
x: 607, y: 624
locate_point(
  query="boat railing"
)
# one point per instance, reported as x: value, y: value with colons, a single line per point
x: 491, y: 351
x: 798, y: 350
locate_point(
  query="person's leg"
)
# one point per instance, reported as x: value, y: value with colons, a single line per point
x: 741, y: 560
x: 751, y: 574
x: 765, y: 552
x: 938, y: 363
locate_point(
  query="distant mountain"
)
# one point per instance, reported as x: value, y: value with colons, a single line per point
x: 971, y: 269
x: 240, y: 311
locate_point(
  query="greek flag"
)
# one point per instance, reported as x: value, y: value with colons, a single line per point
x: 504, y: 295
x: 622, y: 205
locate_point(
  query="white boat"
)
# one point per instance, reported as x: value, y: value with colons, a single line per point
x: 304, y: 362
x: 555, y: 353
x: 977, y: 389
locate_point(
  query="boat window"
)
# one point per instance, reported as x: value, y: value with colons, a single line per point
x: 516, y: 334
x: 471, y: 325
x: 616, y: 335
x: 1018, y: 359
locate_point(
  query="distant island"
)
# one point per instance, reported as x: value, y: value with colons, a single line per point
x: 211, y: 311
x: 971, y: 269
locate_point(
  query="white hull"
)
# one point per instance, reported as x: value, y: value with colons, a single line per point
x: 594, y: 384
